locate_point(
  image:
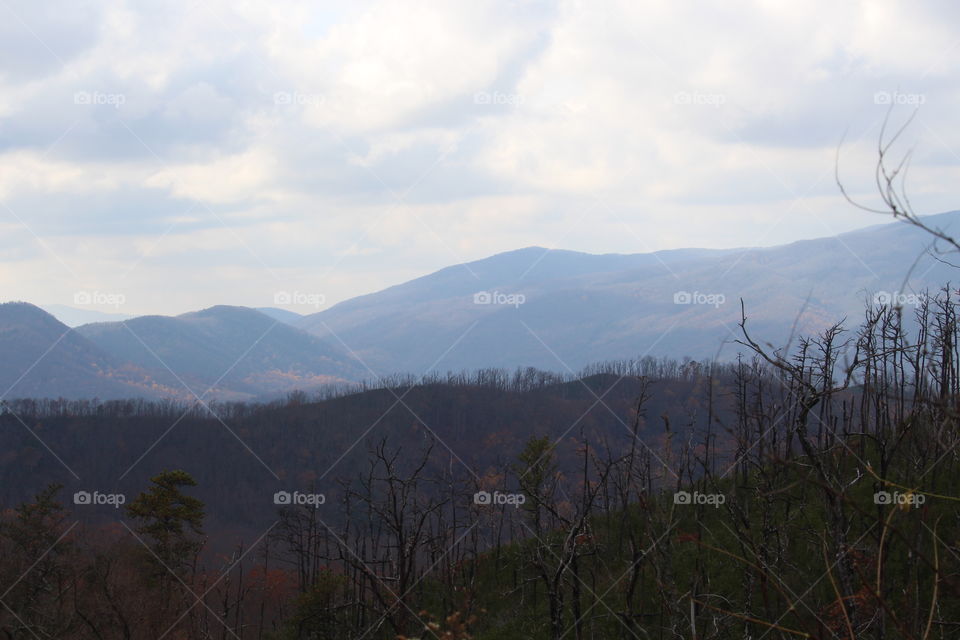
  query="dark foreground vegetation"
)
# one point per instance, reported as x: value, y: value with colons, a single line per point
x: 803, y: 494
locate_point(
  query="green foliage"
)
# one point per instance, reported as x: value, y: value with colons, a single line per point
x: 38, y: 524
x: 35, y: 566
x: 535, y: 470
x: 742, y: 557
x: 315, y: 611
x: 169, y: 518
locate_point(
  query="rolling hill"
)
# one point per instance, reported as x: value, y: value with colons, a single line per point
x: 42, y: 357
x: 234, y: 352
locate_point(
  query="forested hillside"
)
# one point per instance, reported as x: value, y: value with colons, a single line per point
x: 809, y: 494
x: 242, y: 453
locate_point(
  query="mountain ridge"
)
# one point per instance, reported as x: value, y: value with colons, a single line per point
x: 238, y: 351
x: 620, y: 305
x: 46, y: 358
x: 551, y: 309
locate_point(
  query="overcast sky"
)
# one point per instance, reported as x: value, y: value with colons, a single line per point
x: 185, y: 154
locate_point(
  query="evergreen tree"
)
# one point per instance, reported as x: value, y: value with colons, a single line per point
x: 170, y: 519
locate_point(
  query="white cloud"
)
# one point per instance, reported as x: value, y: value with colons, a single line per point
x: 600, y: 126
x: 234, y: 178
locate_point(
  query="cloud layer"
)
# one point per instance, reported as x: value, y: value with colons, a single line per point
x: 189, y: 154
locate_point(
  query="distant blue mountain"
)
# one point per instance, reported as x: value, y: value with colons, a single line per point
x: 550, y: 309
x: 579, y: 308
x: 236, y: 352
x: 42, y: 357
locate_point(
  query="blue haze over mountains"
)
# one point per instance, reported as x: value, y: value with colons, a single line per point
x: 576, y: 309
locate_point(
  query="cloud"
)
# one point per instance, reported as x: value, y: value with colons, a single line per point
x: 342, y: 149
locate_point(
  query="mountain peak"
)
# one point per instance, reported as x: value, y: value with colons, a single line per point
x: 19, y: 312
x: 223, y: 311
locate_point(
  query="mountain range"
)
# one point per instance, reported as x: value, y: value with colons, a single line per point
x: 222, y: 353
x: 579, y: 308
x: 551, y: 309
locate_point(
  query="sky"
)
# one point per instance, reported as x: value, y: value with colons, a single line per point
x: 161, y: 157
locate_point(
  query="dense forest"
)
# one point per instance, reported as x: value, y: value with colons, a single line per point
x: 483, y: 421
x: 808, y: 492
